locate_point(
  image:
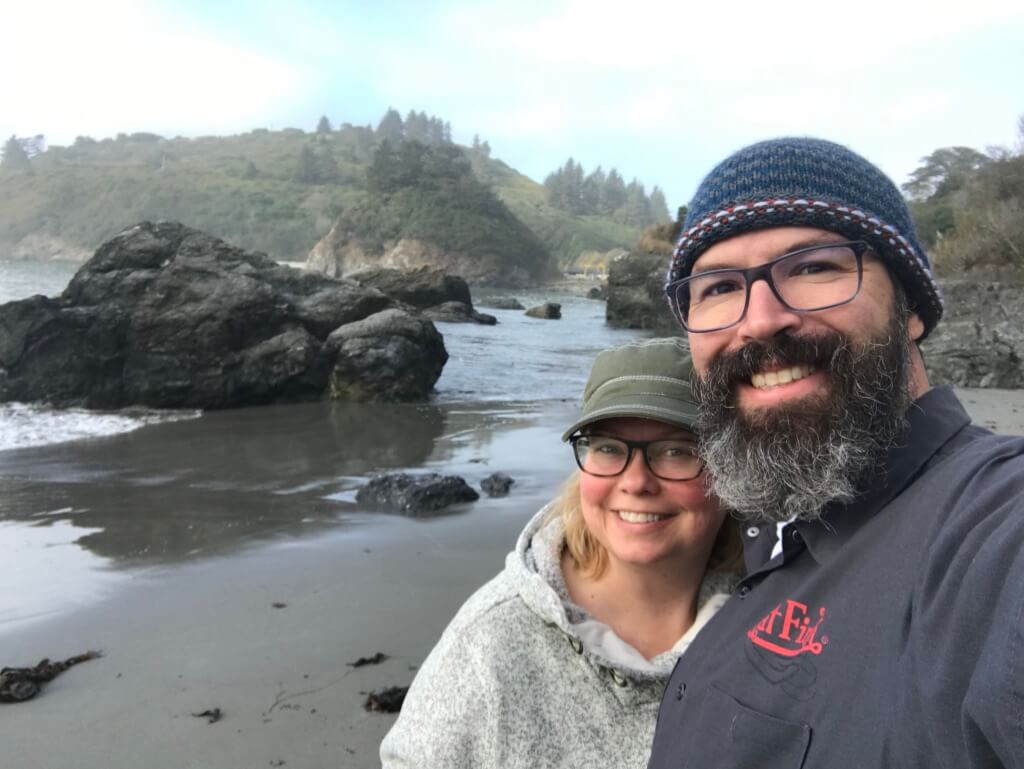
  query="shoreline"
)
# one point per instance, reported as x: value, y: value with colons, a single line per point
x: 179, y: 639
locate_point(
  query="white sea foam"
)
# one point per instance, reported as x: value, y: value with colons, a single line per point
x: 23, y: 425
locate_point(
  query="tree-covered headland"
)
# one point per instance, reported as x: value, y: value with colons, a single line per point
x: 275, y: 191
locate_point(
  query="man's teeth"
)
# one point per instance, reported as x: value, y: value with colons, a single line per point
x: 782, y: 376
x: 629, y: 517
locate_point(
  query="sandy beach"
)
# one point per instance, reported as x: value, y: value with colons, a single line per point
x: 206, y: 635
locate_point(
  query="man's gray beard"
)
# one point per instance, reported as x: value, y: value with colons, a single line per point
x: 790, y: 462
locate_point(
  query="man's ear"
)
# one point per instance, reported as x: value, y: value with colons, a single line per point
x: 915, y: 327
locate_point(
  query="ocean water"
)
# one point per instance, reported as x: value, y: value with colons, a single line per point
x: 90, y: 499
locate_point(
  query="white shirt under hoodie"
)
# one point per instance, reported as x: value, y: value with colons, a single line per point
x: 523, y: 677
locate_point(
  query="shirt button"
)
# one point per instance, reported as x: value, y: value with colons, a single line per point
x: 797, y: 537
x: 744, y: 591
x: 753, y: 531
x: 680, y: 691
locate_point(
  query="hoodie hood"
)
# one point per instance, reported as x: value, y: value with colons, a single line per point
x: 535, y: 573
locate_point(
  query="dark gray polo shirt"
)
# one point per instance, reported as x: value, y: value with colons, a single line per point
x: 890, y: 634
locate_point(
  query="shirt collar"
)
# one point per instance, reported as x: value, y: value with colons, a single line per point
x: 933, y: 419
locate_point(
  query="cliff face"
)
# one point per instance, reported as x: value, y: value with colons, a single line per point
x: 978, y: 343
x: 341, y: 253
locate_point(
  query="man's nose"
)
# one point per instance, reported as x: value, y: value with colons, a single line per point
x: 766, y: 316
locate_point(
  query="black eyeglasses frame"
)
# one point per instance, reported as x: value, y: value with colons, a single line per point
x: 763, y: 272
x: 630, y: 446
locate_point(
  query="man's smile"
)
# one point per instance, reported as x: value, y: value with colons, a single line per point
x: 782, y: 376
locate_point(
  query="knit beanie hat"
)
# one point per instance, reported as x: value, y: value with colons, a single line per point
x: 811, y: 183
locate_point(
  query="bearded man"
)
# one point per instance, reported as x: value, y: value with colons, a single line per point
x: 881, y: 623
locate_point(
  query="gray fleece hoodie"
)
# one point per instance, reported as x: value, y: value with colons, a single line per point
x: 522, y: 677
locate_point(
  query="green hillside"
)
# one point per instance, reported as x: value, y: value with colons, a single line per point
x: 273, y: 191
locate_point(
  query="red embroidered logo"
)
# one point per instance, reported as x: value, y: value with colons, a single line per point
x: 787, y: 630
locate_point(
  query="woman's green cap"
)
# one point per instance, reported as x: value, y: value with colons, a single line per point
x: 648, y: 379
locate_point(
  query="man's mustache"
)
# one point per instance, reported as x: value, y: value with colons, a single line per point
x: 730, y: 368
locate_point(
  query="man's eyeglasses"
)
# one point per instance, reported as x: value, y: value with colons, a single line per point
x: 811, y: 279
x: 670, y: 460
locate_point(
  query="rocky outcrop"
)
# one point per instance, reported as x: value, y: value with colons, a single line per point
x: 415, y: 494
x: 442, y: 297
x: 421, y: 287
x: 390, y: 355
x: 546, y: 311
x: 636, y: 298
x: 980, y: 340
x: 167, y: 316
x: 339, y: 253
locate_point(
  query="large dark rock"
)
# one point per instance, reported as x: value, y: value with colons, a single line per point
x: 421, y: 288
x: 167, y: 316
x: 415, y: 494
x: 636, y: 293
x: 391, y: 356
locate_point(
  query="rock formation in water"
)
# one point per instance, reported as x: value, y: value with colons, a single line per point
x: 978, y: 343
x: 415, y: 494
x: 441, y: 297
x: 546, y: 311
x: 167, y: 316
x: 636, y: 285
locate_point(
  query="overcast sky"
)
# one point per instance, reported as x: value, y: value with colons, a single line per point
x: 661, y: 91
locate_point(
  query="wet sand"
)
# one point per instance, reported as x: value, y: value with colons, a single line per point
x: 206, y: 634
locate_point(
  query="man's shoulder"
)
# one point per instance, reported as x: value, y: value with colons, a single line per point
x: 976, y: 454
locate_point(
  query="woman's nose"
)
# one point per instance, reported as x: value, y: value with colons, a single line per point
x: 637, y: 478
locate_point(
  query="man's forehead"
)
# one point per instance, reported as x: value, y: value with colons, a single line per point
x: 751, y: 248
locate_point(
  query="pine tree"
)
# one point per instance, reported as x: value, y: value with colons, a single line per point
x: 15, y: 159
x: 614, y: 194
x: 592, y: 189
x: 324, y: 126
x: 305, y: 169
x: 658, y: 206
x: 390, y: 127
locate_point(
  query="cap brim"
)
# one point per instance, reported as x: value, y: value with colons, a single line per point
x: 669, y: 410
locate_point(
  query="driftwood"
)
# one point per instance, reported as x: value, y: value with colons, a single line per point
x: 20, y: 684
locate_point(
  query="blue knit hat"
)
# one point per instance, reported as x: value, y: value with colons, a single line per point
x: 811, y: 183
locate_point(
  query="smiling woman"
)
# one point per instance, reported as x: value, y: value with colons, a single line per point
x: 561, y: 660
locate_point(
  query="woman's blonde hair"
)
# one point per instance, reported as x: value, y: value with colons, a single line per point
x: 591, y: 557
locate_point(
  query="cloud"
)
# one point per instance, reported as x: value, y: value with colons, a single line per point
x: 99, y: 69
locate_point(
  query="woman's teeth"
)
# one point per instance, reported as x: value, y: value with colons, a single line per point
x: 782, y: 376
x: 629, y: 517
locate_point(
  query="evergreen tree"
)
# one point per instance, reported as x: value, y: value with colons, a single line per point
x: 593, y: 186
x: 614, y: 193
x: 15, y: 159
x: 324, y: 126
x: 658, y: 207
x: 383, y: 174
x: 636, y: 210
x: 305, y: 169
x: 390, y: 127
